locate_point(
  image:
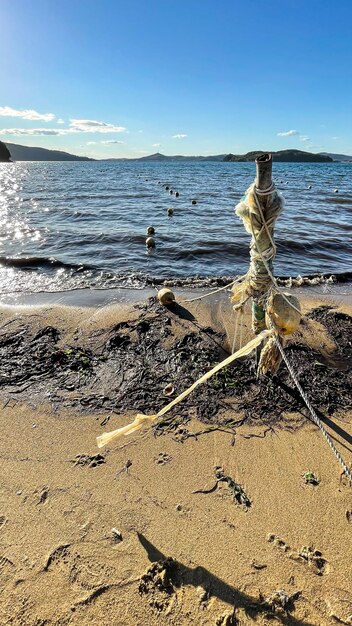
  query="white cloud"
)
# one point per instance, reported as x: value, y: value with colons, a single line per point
x: 179, y: 136
x: 288, y: 133
x: 108, y: 142
x: 32, y: 131
x: 26, y: 114
x: 60, y: 121
x: 304, y: 138
x: 92, y: 126
x: 156, y: 145
x: 91, y: 143
x: 76, y: 126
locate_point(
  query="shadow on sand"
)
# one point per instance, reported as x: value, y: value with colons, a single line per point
x: 199, y: 576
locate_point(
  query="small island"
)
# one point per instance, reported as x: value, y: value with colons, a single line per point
x: 285, y: 156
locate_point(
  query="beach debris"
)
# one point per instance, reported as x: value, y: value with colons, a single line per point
x: 162, y: 459
x: 43, y: 495
x: 150, y: 242
x: 170, y: 212
x: 194, y: 201
x: 88, y: 460
x: 258, y: 566
x: 236, y: 490
x: 310, y: 478
x: 116, y: 535
x: 124, y: 469
x: 280, y: 600
x: 169, y: 390
x: 166, y: 296
x: 150, y: 231
x: 349, y: 516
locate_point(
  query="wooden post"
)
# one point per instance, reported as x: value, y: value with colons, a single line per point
x: 263, y: 182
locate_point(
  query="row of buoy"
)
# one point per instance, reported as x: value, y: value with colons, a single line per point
x: 282, y: 182
x: 170, y: 190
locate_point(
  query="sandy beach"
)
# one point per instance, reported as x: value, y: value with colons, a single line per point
x: 209, y: 518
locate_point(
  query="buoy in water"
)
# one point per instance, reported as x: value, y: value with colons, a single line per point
x: 150, y: 230
x: 309, y: 186
x: 336, y: 191
x: 194, y: 201
x: 170, y: 212
x: 167, y: 188
x: 150, y: 242
x: 171, y: 191
x: 177, y: 194
x: 166, y: 296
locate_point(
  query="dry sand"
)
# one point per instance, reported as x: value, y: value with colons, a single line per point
x: 61, y: 562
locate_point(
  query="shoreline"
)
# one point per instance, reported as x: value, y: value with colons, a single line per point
x: 145, y: 531
x: 88, y: 297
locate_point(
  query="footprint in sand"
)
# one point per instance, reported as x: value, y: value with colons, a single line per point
x: 308, y: 555
x: 88, y: 460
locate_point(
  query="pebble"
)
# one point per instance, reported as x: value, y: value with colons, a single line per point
x: 19, y: 492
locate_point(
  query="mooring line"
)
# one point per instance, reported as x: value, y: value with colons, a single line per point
x: 316, y: 419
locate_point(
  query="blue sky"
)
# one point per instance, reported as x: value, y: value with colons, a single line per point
x: 132, y: 77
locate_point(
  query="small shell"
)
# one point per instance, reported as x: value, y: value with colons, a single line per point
x: 168, y: 390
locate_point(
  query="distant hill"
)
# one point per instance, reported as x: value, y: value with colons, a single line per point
x: 178, y: 157
x: 285, y: 156
x: 337, y: 157
x: 29, y: 153
x: 5, y: 156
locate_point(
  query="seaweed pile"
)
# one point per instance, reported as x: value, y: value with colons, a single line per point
x: 127, y: 367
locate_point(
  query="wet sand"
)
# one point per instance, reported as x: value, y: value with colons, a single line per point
x: 145, y: 532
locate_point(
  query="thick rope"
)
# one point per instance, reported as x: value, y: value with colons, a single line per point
x: 315, y: 418
x: 141, y: 419
x: 210, y: 293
